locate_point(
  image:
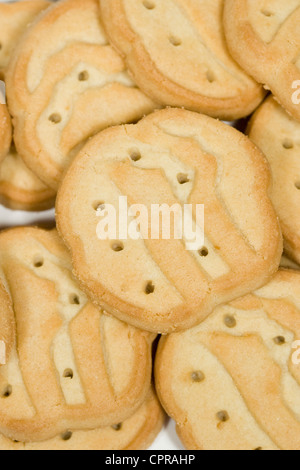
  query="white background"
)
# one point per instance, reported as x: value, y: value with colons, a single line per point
x: 167, y: 440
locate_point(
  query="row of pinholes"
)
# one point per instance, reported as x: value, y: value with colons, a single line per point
x: 118, y: 246
x: 198, y: 376
x: 176, y: 41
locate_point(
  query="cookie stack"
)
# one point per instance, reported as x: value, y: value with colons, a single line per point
x: 114, y: 107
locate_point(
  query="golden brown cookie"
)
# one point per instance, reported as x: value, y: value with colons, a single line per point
x: 176, y: 52
x: 7, y: 325
x: 14, y: 18
x: 136, y: 433
x: 72, y: 367
x: 233, y: 382
x: 287, y: 263
x: 278, y: 136
x: 65, y: 84
x: 170, y: 157
x: 5, y: 131
x: 263, y: 36
x: 20, y: 188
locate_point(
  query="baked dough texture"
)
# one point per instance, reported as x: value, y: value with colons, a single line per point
x: 66, y: 83
x: 20, y: 188
x: 277, y: 134
x: 233, y: 383
x: 176, y: 52
x: 263, y: 36
x: 171, y: 157
x: 72, y: 366
x: 136, y: 433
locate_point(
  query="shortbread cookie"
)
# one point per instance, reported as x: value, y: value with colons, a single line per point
x: 176, y: 52
x: 136, y: 433
x: 233, y: 383
x: 172, y: 156
x: 278, y: 136
x: 73, y: 367
x: 7, y: 325
x: 14, y: 18
x: 65, y: 84
x: 20, y: 188
x: 263, y: 36
x: 5, y: 132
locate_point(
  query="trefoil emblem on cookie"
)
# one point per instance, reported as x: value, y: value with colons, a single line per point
x: 159, y: 222
x: 2, y: 93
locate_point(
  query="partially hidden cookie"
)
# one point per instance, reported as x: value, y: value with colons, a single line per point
x: 176, y: 52
x: 65, y: 84
x: 14, y: 18
x: 72, y: 367
x: 264, y: 38
x: 5, y: 131
x: 170, y: 157
x: 7, y: 325
x: 233, y: 383
x: 278, y: 136
x: 135, y: 433
x: 20, y: 188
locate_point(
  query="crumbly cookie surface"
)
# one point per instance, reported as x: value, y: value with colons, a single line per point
x: 277, y: 134
x: 233, y: 383
x: 171, y: 157
x: 135, y: 433
x: 72, y: 367
x: 264, y: 38
x: 65, y: 84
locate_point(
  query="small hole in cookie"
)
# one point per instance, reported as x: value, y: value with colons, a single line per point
x: 182, y: 178
x: 55, y: 118
x: 150, y: 288
x: 230, y: 321
x: 74, y: 299
x: 66, y: 436
x: 99, y: 206
x: 7, y: 392
x: 149, y: 5
x: 258, y: 448
x: 288, y: 144
x: 38, y: 262
x: 117, y: 427
x: 175, y: 41
x: 135, y: 155
x: 83, y: 76
x: 297, y: 185
x: 279, y: 340
x: 223, y: 416
x: 117, y: 247
x: 197, y: 376
x: 0, y: 46
x: 68, y: 374
x: 267, y: 13
x: 210, y: 76
x: 203, y: 252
